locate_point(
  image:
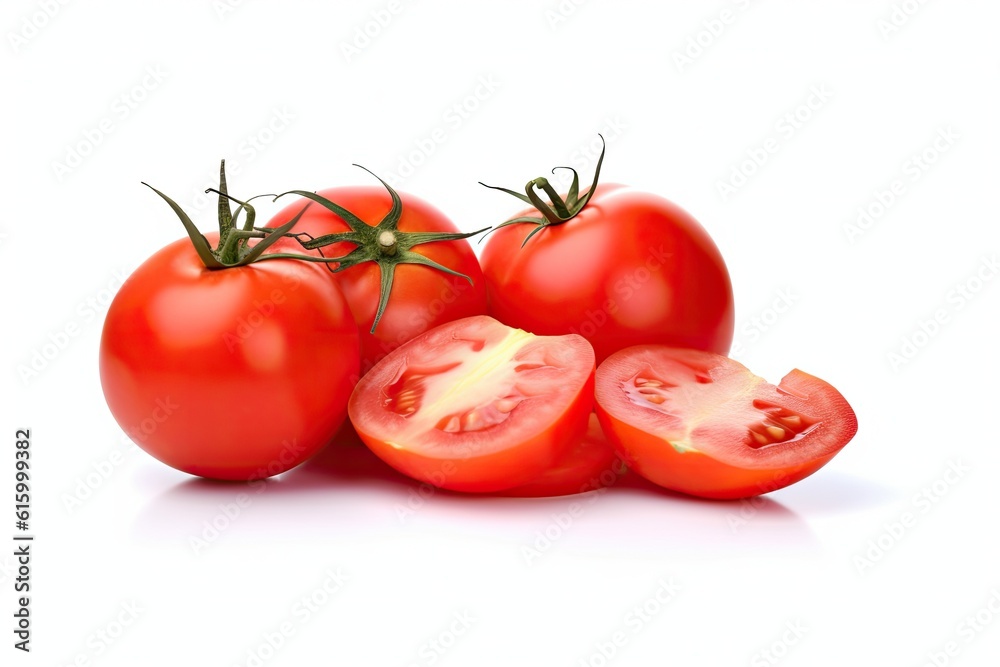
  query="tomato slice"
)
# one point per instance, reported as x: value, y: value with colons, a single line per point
x: 474, y: 405
x: 592, y: 464
x: 703, y: 424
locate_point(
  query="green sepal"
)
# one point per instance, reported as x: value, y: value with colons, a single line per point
x: 365, y: 236
x: 557, y: 210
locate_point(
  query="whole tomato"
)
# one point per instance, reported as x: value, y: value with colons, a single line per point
x: 617, y: 266
x: 404, y: 268
x: 226, y: 366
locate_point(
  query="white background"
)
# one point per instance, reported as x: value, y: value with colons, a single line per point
x: 829, y: 558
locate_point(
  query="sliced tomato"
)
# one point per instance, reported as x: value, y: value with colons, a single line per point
x: 703, y: 424
x: 474, y: 405
x: 592, y: 464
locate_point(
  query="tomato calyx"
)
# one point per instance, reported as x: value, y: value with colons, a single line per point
x: 382, y: 243
x: 557, y: 210
x: 233, y: 248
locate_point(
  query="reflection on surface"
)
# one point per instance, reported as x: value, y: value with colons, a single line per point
x: 347, y: 493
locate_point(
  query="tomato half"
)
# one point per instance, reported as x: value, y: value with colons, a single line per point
x: 422, y: 294
x: 473, y: 405
x: 592, y: 464
x: 618, y: 266
x: 238, y: 373
x: 703, y: 424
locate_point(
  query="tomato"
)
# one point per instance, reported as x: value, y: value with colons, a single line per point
x: 590, y: 465
x: 395, y: 293
x: 617, y: 266
x: 473, y: 405
x: 703, y: 424
x: 234, y: 373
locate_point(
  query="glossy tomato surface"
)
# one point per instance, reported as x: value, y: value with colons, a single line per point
x: 235, y: 374
x: 631, y: 268
x: 421, y: 297
x: 473, y: 405
x: 703, y: 424
x: 591, y: 464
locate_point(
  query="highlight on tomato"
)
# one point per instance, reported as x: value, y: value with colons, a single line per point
x: 703, y: 424
x: 403, y: 266
x: 473, y: 405
x: 232, y: 362
x: 618, y: 266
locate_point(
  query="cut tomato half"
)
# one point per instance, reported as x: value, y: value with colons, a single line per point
x: 474, y: 405
x: 703, y: 424
x: 592, y: 464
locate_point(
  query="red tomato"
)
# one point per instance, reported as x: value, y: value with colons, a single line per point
x: 591, y: 464
x: 619, y: 267
x: 236, y: 373
x: 424, y: 289
x: 703, y: 424
x: 473, y: 405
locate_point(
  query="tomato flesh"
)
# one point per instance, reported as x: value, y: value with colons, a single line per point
x: 473, y: 405
x: 703, y: 424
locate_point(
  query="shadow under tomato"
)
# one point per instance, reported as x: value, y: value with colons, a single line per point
x: 345, y: 493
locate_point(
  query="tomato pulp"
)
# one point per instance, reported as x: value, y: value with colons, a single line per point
x: 473, y: 405
x: 703, y: 424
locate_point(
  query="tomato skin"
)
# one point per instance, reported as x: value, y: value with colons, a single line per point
x: 714, y: 464
x: 232, y: 374
x: 631, y: 268
x: 592, y: 464
x: 421, y: 297
x: 538, y: 434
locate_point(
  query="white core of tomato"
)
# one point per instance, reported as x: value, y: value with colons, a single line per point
x: 474, y: 387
